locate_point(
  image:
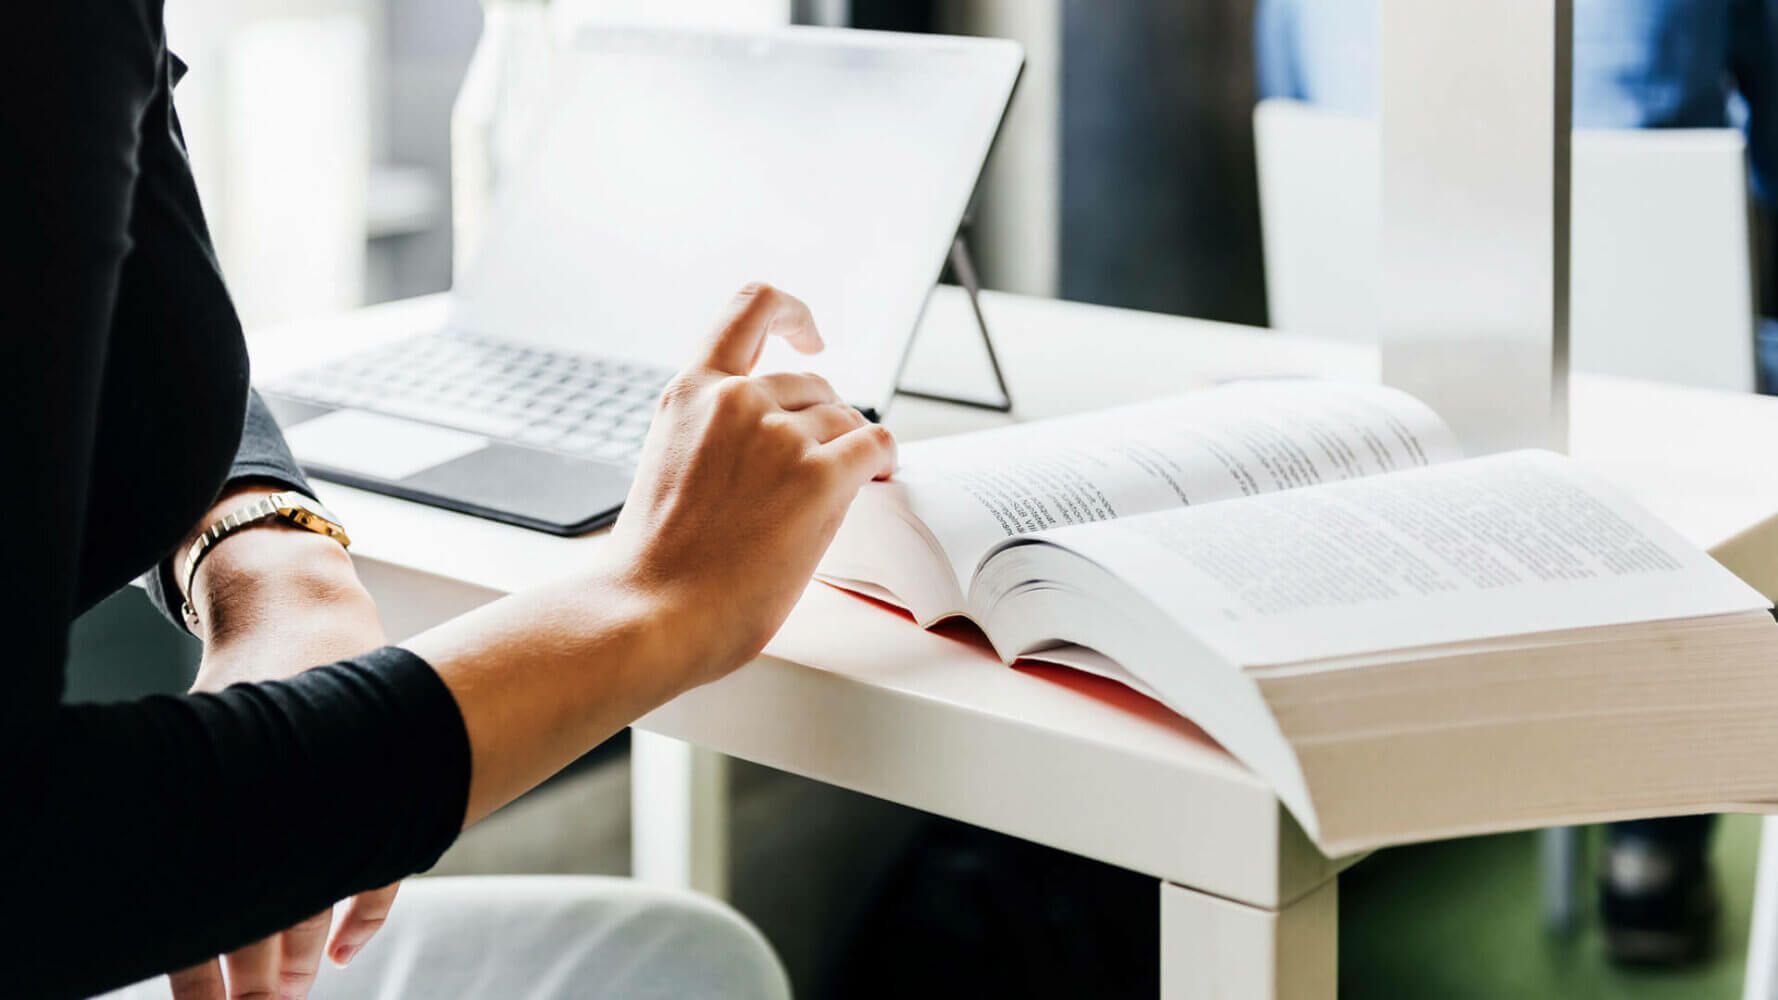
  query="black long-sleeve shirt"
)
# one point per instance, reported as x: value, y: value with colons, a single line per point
x: 144, y: 836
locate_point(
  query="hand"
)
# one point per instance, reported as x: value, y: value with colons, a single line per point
x: 740, y: 488
x: 741, y: 485
x: 274, y: 601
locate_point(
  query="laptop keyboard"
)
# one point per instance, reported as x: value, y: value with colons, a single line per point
x: 556, y: 400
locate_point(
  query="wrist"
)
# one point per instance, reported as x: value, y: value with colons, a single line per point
x: 275, y: 604
x: 684, y: 634
x: 252, y: 576
x: 646, y: 623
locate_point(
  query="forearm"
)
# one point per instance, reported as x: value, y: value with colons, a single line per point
x: 540, y: 677
x: 544, y: 676
x: 170, y: 829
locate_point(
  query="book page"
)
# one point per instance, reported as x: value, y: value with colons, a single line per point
x: 1243, y: 439
x: 1506, y: 545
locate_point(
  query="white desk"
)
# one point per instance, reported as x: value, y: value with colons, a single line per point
x: 850, y: 695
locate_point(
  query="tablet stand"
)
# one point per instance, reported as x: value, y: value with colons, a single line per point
x: 963, y: 269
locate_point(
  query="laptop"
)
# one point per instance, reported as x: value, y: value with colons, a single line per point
x: 671, y: 168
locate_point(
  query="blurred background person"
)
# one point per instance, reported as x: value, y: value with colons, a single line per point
x: 1637, y: 64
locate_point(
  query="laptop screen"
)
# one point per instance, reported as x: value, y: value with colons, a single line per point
x: 673, y: 167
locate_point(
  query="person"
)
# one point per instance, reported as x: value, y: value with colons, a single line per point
x: 314, y: 762
x: 1637, y: 64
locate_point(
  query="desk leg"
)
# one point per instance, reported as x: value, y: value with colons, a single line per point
x: 1761, y: 982
x: 1214, y: 948
x: 678, y: 814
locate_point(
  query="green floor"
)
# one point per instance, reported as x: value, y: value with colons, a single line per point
x: 1461, y: 919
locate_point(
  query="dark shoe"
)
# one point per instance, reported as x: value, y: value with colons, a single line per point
x: 1657, y: 896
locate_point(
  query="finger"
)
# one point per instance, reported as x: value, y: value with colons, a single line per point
x: 826, y: 421
x: 202, y: 981
x: 756, y: 311
x: 299, y: 954
x: 865, y: 453
x: 794, y: 391
x: 364, y: 915
x: 253, y: 970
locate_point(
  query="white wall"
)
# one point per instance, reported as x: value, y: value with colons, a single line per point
x: 276, y: 109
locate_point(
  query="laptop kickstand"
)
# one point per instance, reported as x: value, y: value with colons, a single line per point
x: 963, y: 268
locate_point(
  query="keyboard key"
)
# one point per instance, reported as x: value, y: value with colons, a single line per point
x: 540, y: 434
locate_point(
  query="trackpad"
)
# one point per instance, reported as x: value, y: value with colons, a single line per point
x: 543, y: 487
x: 371, y: 444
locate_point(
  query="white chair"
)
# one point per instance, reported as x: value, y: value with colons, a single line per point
x: 1661, y: 283
x: 1319, y: 199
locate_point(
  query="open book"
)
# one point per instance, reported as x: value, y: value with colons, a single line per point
x: 1405, y: 643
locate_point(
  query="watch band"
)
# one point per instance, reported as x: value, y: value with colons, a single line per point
x: 286, y: 507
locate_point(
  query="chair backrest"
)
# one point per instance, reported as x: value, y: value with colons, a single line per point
x: 1319, y: 180
x: 1661, y: 282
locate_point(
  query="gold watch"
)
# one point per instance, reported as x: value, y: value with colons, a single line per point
x: 287, y: 507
